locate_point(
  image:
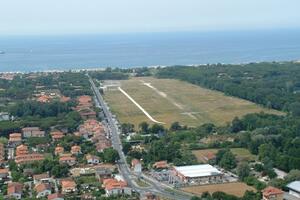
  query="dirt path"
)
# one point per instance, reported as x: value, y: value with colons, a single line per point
x: 140, y: 107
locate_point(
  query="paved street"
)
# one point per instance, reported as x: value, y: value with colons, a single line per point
x: 154, y: 186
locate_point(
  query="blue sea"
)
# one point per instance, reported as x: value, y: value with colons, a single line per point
x: 40, y: 53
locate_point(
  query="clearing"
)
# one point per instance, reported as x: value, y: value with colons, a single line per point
x: 168, y: 100
x: 237, y: 188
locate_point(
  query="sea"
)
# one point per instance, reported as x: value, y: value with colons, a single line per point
x: 66, y: 52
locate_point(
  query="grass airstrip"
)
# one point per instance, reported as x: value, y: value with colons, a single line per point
x: 168, y: 100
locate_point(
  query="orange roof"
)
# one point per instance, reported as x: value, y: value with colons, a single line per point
x: 57, y: 134
x: 84, y: 99
x: 14, y: 187
x: 135, y: 162
x: 269, y: 191
x: 15, y: 137
x: 68, y: 184
x: 161, y: 164
x: 54, y: 196
x: 210, y: 155
x: 42, y: 187
x: 75, y: 149
x: 59, y: 149
x: 21, y: 150
x: 64, y: 99
x: 44, y: 99
x: 111, y: 183
x: 20, y: 159
x: 4, y: 171
x: 66, y: 158
x: 40, y: 176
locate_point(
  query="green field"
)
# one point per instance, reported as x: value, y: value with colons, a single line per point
x: 169, y: 100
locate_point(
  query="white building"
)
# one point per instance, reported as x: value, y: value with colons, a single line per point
x: 196, y: 174
x: 294, y: 188
x: 136, y: 165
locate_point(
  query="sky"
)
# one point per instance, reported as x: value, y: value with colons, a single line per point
x: 18, y: 17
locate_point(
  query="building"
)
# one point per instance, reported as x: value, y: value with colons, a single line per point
x: 41, y: 178
x: 104, y: 171
x: 15, y: 190
x: 114, y: 187
x: 161, y: 165
x: 136, y: 165
x: 272, y: 193
x: 32, y: 132
x: 56, y: 135
x: 76, y: 150
x: 29, y: 158
x: 56, y: 196
x: 92, y: 159
x: 15, y: 139
x: 4, y: 173
x: 4, y: 116
x: 69, y: 160
x: 59, y: 150
x: 294, y: 188
x: 21, y: 150
x: 68, y: 186
x: 196, y: 174
x: 209, y: 156
x: 44, y: 99
x: 42, y: 190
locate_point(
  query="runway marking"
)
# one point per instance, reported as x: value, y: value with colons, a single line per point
x: 140, y: 107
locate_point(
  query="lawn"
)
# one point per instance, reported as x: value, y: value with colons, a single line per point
x: 237, y: 188
x: 241, y: 154
x: 169, y: 100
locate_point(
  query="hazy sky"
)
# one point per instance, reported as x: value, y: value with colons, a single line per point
x: 98, y: 16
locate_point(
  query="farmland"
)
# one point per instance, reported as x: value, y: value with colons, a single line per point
x: 169, y: 100
x: 237, y: 189
x: 240, y: 153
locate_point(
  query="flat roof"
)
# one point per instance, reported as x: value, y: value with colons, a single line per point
x: 198, y: 170
x: 294, y: 186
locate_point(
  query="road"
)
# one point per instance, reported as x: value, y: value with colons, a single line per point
x: 154, y: 186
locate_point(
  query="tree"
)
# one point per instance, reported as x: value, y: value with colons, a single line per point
x: 144, y: 127
x: 228, y: 160
x: 236, y: 125
x: 156, y: 128
x: 243, y: 170
x: 175, y: 126
x: 127, y: 128
x: 110, y: 155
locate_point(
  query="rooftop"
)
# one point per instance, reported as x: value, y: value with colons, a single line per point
x: 294, y: 186
x: 271, y: 191
x: 197, y: 170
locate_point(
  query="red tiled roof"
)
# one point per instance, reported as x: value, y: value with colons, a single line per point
x: 271, y: 191
x: 161, y: 164
x: 14, y: 187
x: 110, y: 184
x: 54, y: 196
x: 42, y: 187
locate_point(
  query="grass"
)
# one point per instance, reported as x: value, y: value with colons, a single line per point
x: 241, y: 154
x: 237, y: 188
x: 174, y: 100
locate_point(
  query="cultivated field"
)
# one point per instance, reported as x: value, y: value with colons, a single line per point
x: 241, y: 154
x: 237, y: 189
x: 169, y: 100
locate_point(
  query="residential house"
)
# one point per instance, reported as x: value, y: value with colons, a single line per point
x: 41, y: 178
x: 65, y: 159
x: 59, y: 150
x: 92, y: 159
x: 56, y: 135
x: 68, y: 186
x: 209, y: 157
x: 76, y: 150
x: 161, y: 165
x: 101, y: 145
x: 136, y: 165
x: 56, y: 196
x: 29, y: 158
x: 104, y: 171
x: 115, y: 187
x: 32, y: 132
x: 42, y: 190
x: 272, y: 193
x: 44, y: 99
x: 15, y: 139
x: 21, y: 150
x: 294, y: 189
x: 4, y: 173
x: 15, y: 190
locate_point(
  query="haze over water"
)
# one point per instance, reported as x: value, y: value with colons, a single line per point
x: 32, y: 53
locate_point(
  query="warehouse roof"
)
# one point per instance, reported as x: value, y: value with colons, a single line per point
x: 197, y: 170
x: 294, y: 186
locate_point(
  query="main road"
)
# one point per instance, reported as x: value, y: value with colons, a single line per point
x: 154, y: 186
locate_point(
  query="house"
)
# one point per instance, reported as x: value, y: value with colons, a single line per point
x: 41, y: 178
x: 56, y: 135
x: 76, y: 150
x: 68, y: 186
x: 87, y: 114
x: 104, y: 171
x: 136, y: 165
x: 55, y: 196
x: 59, y: 150
x: 42, y: 190
x: 29, y: 158
x: 101, y: 145
x: 161, y: 165
x: 115, y: 187
x: 69, y: 160
x: 15, y: 190
x: 209, y: 156
x: 196, y: 174
x: 64, y: 99
x: 21, y: 150
x: 294, y: 189
x: 4, y: 116
x: 15, y: 139
x: 44, y: 99
x: 272, y: 193
x: 4, y: 173
x: 92, y: 159
x: 32, y: 132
